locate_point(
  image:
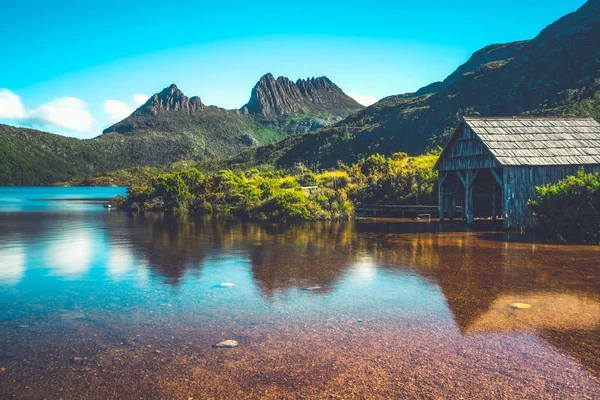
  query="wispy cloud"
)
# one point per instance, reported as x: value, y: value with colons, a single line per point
x: 116, y: 110
x: 68, y: 113
x: 365, y: 100
x: 65, y: 114
x: 119, y: 110
x: 140, y: 99
x: 10, y: 105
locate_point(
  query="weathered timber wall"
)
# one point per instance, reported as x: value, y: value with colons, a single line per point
x: 519, y: 188
x: 466, y: 151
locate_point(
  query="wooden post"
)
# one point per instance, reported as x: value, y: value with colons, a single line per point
x: 441, y: 196
x: 467, y: 181
x: 501, y: 185
x: 494, y: 202
x: 469, y: 198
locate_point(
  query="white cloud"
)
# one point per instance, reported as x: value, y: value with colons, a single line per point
x: 116, y: 110
x: 363, y: 99
x: 10, y: 105
x: 140, y: 99
x: 66, y: 113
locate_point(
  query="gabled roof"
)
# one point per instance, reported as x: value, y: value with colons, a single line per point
x: 524, y: 141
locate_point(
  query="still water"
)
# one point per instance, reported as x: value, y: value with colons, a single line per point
x: 100, y: 303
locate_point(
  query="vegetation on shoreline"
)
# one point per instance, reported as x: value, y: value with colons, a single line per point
x: 570, y: 209
x: 295, y: 194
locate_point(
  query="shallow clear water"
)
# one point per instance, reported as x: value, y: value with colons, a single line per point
x: 108, y: 304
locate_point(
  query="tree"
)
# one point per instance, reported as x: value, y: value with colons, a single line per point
x: 570, y: 208
x: 172, y: 189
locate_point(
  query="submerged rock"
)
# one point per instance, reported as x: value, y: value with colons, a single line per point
x: 227, y: 284
x: 312, y: 288
x: 227, y: 344
x: 520, y: 306
x: 72, y: 315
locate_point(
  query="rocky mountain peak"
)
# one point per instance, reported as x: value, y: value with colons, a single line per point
x: 170, y: 99
x: 283, y: 97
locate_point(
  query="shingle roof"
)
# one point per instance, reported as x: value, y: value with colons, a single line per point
x: 540, y: 140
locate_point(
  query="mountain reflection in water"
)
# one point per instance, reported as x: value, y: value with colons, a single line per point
x: 399, y: 273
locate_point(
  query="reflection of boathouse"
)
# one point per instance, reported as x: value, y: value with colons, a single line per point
x: 491, y: 166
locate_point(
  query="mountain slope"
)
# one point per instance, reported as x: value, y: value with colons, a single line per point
x: 169, y: 127
x: 303, y: 106
x: 558, y: 72
x: 210, y: 131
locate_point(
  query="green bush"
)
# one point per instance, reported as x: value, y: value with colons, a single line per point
x: 308, y: 179
x: 276, y: 195
x: 172, y: 189
x: 289, y: 206
x: 570, y: 209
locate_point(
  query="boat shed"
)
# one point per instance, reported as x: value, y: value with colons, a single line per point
x: 491, y: 166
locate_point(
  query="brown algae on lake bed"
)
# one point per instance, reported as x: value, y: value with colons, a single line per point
x: 434, y: 312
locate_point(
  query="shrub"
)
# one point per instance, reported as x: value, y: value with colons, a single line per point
x: 570, y: 209
x: 172, y: 189
x: 308, y: 179
x: 289, y: 206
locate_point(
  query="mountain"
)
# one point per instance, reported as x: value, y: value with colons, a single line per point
x: 170, y: 100
x: 300, y: 107
x: 169, y: 127
x: 556, y: 73
x: 203, y: 131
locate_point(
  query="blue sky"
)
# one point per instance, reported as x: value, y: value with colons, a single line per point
x: 74, y: 67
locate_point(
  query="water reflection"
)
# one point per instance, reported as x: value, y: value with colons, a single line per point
x: 405, y: 270
x: 12, y: 262
x: 479, y: 278
x: 70, y: 253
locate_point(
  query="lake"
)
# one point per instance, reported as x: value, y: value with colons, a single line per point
x: 100, y: 303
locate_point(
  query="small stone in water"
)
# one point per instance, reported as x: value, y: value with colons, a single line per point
x: 312, y: 288
x: 76, y: 359
x: 74, y: 315
x: 520, y: 306
x: 227, y: 284
x: 156, y: 351
x: 228, y: 344
x: 9, y: 354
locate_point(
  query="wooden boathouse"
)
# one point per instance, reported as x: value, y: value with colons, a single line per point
x: 491, y: 166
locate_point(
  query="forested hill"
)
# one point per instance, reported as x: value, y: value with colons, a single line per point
x: 556, y: 73
x: 171, y: 127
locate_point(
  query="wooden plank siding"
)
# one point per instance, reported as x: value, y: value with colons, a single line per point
x: 520, y: 184
x: 466, y: 151
x: 514, y: 155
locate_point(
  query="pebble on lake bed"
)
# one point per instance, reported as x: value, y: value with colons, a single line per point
x: 312, y: 288
x: 227, y: 344
x: 520, y: 306
x: 227, y: 284
x: 72, y: 315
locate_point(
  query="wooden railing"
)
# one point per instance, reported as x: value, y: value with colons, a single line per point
x: 403, y: 211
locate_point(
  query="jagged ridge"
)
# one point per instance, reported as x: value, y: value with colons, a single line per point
x: 314, y: 96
